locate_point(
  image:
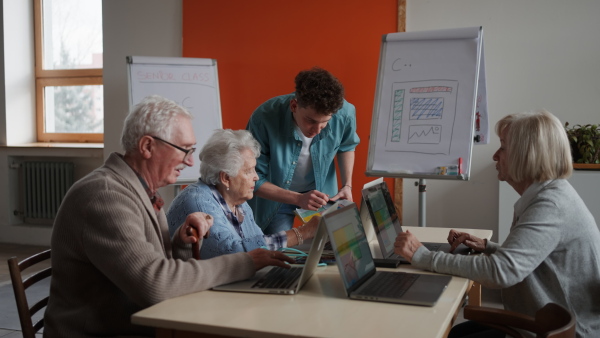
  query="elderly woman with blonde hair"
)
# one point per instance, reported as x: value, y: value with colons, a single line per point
x: 227, y: 178
x: 552, y: 253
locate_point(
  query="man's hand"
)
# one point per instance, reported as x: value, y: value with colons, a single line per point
x: 199, y: 221
x: 345, y: 193
x: 312, y: 200
x: 406, y: 245
x: 262, y: 258
x: 455, y: 238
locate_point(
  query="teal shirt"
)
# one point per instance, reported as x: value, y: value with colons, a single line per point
x: 273, y: 126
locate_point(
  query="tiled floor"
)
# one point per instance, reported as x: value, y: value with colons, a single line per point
x: 20, y: 251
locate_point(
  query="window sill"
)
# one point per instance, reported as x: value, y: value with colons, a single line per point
x: 57, y: 145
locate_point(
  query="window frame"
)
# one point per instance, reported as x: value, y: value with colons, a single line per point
x: 61, y: 77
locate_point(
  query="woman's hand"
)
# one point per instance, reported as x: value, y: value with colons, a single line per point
x: 262, y: 258
x: 406, y: 245
x: 309, y: 230
x: 455, y: 238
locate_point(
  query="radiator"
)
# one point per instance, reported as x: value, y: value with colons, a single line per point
x: 45, y: 185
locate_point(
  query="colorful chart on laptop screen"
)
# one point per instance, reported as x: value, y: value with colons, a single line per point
x: 350, y: 244
x: 383, y: 219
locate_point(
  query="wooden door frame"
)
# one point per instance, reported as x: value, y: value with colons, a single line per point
x: 398, y: 182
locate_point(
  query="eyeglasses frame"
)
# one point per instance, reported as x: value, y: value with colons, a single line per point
x: 188, y: 152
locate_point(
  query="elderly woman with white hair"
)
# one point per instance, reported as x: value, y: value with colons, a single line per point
x: 227, y: 178
x: 552, y: 253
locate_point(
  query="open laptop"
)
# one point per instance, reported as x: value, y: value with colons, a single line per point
x: 364, y: 212
x: 274, y: 279
x: 357, y: 268
x: 386, y: 223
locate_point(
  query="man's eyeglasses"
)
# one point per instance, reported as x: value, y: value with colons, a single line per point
x: 188, y: 152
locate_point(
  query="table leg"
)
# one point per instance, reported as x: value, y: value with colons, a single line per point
x: 475, y: 294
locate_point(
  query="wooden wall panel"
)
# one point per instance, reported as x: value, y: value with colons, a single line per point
x: 398, y: 182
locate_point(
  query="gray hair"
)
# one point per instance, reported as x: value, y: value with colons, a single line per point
x: 154, y: 115
x: 222, y: 152
x: 538, y: 148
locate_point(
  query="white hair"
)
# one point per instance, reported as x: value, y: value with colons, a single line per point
x: 222, y: 153
x: 538, y: 148
x: 155, y: 116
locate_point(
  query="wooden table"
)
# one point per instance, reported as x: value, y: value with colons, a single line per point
x: 320, y: 309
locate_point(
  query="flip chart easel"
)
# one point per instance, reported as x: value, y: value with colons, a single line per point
x: 191, y: 82
x: 425, y: 105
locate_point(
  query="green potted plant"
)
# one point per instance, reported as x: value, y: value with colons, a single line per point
x: 585, y: 143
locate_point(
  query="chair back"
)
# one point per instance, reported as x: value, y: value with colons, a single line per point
x: 551, y: 321
x: 26, y: 313
x: 556, y: 321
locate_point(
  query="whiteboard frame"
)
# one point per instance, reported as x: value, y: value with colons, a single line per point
x: 178, y: 61
x: 460, y: 33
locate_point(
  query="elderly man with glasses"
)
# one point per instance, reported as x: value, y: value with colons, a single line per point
x: 111, y: 251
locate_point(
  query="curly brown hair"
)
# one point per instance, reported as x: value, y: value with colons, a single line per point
x: 318, y: 89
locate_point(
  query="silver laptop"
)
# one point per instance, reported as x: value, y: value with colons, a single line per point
x: 357, y: 268
x: 386, y: 223
x: 364, y: 212
x: 274, y: 279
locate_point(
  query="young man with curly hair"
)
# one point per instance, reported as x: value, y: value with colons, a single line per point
x: 300, y: 135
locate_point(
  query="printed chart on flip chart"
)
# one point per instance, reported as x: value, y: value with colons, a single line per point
x: 430, y: 99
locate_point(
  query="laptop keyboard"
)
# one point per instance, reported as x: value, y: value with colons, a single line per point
x: 432, y: 246
x: 429, y: 246
x: 389, y: 284
x: 396, y: 256
x: 279, y: 278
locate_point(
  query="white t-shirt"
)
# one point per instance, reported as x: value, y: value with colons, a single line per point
x: 304, y: 175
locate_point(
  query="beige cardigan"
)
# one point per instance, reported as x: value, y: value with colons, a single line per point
x: 111, y: 257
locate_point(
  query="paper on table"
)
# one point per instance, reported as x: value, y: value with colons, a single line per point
x: 306, y: 215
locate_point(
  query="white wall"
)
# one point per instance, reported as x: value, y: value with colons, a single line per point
x: 131, y: 27
x: 538, y: 54
x: 18, y: 71
x: 134, y: 27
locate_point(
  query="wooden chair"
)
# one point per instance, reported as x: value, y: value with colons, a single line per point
x: 19, y: 286
x: 552, y: 320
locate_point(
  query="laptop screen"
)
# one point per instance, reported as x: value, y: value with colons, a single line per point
x: 350, y: 245
x: 383, y: 215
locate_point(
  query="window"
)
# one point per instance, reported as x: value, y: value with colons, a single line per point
x: 68, y: 70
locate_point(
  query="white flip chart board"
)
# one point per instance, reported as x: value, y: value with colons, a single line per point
x: 426, y: 97
x: 191, y: 82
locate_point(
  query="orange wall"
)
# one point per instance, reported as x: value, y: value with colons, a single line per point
x: 261, y: 45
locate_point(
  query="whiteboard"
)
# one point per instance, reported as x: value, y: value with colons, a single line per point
x: 425, y: 101
x: 191, y: 82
